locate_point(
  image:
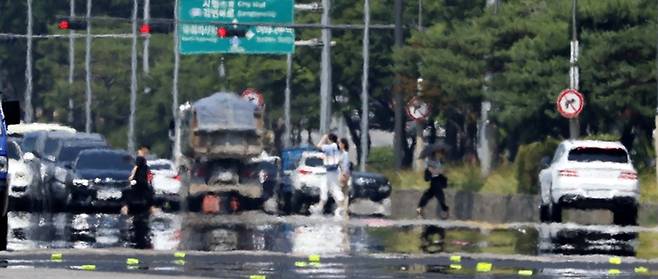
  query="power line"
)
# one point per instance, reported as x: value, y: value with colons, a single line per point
x: 286, y: 25
x: 9, y: 36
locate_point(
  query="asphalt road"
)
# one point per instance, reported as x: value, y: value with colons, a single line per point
x: 252, y: 245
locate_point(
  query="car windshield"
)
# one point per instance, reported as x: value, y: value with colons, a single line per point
x: 51, y: 146
x: 29, y: 142
x: 314, y: 162
x: 12, y: 151
x: 68, y: 153
x: 593, y: 154
x: 105, y: 161
x: 160, y: 166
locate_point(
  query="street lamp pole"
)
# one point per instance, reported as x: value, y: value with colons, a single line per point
x: 29, y: 110
x: 364, y: 89
x: 325, y: 75
x: 174, y: 91
x: 287, y: 121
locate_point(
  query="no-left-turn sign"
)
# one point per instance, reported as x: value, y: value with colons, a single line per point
x: 570, y: 103
x: 417, y: 109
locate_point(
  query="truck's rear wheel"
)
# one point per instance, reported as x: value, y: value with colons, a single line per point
x: 555, y: 213
x: 544, y: 214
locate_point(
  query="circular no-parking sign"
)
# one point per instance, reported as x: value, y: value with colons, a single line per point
x: 570, y: 103
x: 255, y: 97
x: 417, y: 109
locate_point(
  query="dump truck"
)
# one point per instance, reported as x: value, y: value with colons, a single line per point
x: 220, y: 136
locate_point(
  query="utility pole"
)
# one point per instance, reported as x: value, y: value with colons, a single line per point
x: 287, y: 121
x: 325, y: 75
x: 29, y: 110
x: 574, y: 123
x: 88, y: 70
x: 399, y: 137
x: 174, y: 92
x: 655, y: 131
x: 364, y: 89
x: 71, y: 63
x: 484, y: 148
x: 147, y: 38
x: 133, y: 81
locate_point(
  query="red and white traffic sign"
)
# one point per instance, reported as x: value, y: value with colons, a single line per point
x: 253, y: 96
x: 417, y: 109
x: 570, y: 103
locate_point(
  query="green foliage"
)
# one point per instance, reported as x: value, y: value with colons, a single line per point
x: 464, y: 177
x: 381, y: 159
x: 528, y: 164
x: 604, y: 137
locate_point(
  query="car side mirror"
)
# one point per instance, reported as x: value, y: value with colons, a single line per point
x: 12, y: 112
x: 29, y: 156
x: 545, y: 162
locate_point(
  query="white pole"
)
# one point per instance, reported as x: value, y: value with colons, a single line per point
x: 325, y: 75
x: 133, y: 81
x: 286, y: 136
x: 364, y: 87
x: 71, y: 63
x: 147, y: 39
x: 174, y: 91
x: 88, y: 71
x: 29, y: 111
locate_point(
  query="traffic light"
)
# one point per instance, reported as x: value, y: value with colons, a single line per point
x: 230, y: 32
x: 66, y: 24
x: 156, y: 27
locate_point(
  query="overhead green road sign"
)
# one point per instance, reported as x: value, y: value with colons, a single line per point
x: 209, y: 26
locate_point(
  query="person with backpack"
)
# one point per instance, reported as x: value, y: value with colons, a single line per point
x: 438, y: 181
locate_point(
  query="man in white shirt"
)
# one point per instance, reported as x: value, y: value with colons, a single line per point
x: 332, y: 157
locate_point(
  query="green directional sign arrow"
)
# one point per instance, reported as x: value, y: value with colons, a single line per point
x: 200, y: 21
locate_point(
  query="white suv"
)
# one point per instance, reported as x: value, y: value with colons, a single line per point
x: 590, y: 175
x: 307, y: 178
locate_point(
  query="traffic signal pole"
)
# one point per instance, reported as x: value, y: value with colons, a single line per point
x: 147, y: 38
x: 71, y: 63
x: 133, y: 82
x: 88, y: 71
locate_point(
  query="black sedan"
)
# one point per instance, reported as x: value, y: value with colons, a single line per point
x: 370, y: 194
x: 100, y: 178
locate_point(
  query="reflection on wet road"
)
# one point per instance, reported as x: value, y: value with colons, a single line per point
x: 301, y: 236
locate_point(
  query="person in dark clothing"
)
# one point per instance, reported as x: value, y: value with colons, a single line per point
x: 438, y: 181
x: 139, y: 197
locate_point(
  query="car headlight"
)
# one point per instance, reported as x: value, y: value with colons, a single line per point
x: 81, y: 182
x: 3, y: 164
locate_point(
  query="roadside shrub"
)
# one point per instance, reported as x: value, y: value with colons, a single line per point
x: 528, y: 164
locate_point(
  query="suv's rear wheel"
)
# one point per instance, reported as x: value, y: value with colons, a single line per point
x: 555, y: 211
x: 544, y: 214
x: 625, y: 215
